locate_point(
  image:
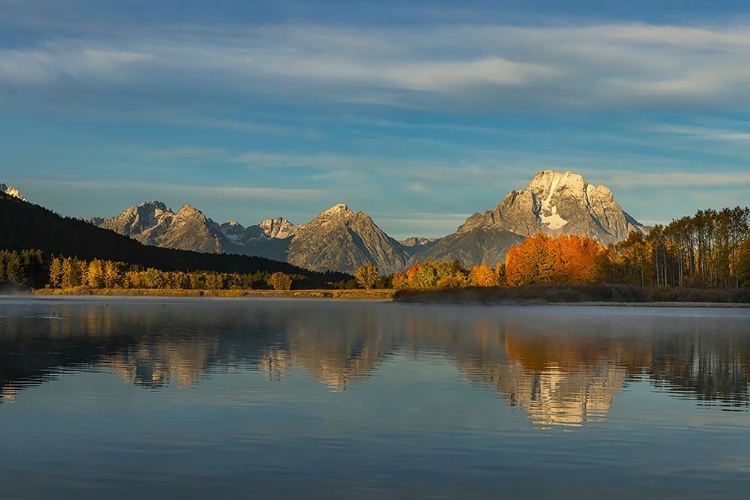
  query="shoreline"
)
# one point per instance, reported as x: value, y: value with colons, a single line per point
x: 379, y: 294
x: 468, y: 297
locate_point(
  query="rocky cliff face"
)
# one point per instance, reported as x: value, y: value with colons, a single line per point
x: 153, y: 223
x: 268, y: 239
x: 559, y: 203
x: 339, y: 239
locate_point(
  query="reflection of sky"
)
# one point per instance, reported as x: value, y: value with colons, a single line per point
x: 416, y: 426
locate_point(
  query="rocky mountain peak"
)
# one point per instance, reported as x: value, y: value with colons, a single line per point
x: 11, y: 191
x: 153, y: 207
x: 565, y: 203
x: 189, y: 210
x: 338, y: 209
x: 339, y: 239
x: 554, y: 203
x: 277, y: 228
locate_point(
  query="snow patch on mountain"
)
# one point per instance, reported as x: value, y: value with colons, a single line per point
x: 548, y: 214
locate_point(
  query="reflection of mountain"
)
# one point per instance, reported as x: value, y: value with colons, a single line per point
x: 558, y: 365
x: 555, y: 397
x: 556, y: 386
x: 338, y: 350
x: 154, y: 366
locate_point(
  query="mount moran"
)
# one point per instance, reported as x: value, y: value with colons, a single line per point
x: 338, y: 239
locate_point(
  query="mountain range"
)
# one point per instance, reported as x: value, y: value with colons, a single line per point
x: 554, y: 203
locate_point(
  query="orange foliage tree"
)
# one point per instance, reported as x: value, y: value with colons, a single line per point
x: 564, y: 259
x: 482, y: 276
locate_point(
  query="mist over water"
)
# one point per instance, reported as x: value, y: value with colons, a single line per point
x: 334, y: 399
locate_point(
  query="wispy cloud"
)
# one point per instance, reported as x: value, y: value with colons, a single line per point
x: 612, y: 66
x: 245, y: 126
x: 628, y: 179
x: 707, y: 133
x: 421, y: 175
x: 187, y: 153
x: 186, y: 191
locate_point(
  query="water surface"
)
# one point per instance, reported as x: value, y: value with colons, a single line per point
x: 191, y: 398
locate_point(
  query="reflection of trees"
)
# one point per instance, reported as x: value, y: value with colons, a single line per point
x: 149, y: 344
x: 704, y: 366
x: 559, y: 366
x: 568, y: 369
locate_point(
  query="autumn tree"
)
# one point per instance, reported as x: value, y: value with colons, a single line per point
x: 55, y: 272
x: 564, y: 259
x: 530, y: 262
x: 400, y: 281
x: 95, y: 274
x: 366, y: 276
x: 280, y: 281
x: 482, y: 276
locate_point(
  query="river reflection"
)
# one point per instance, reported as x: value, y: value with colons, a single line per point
x: 564, y: 366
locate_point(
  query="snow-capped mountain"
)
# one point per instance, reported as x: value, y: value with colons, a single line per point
x: 558, y: 203
x: 553, y: 203
x: 11, y: 191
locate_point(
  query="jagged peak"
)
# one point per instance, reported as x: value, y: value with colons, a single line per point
x: 340, y: 208
x: 552, y: 178
x: 11, y: 191
x: 277, y: 227
x: 155, y: 203
x: 187, y: 208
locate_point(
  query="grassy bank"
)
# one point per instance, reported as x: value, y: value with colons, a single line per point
x: 147, y: 292
x: 591, y: 293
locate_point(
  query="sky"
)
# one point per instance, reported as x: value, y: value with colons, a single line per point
x: 418, y: 113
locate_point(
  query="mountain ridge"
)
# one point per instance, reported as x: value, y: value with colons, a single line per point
x: 554, y: 203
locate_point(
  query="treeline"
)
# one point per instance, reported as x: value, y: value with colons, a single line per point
x: 25, y: 226
x: 708, y: 250
x: 33, y: 269
x: 448, y: 275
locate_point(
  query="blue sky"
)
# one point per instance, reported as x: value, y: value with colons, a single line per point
x: 418, y: 113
